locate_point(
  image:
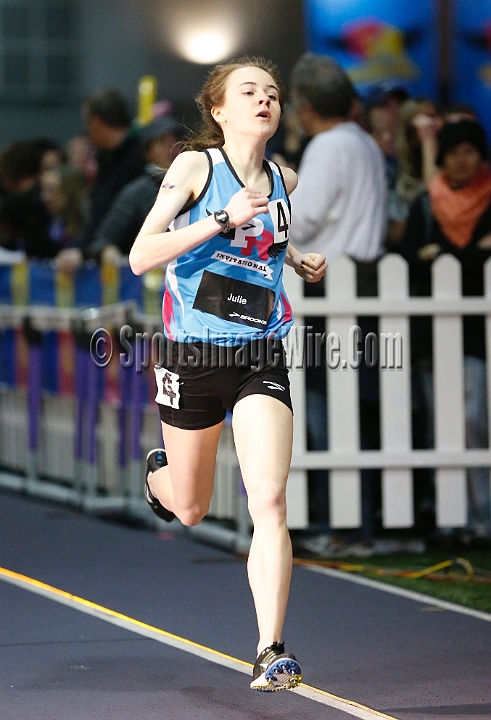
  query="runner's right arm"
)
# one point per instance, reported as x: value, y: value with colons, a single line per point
x: 184, y: 181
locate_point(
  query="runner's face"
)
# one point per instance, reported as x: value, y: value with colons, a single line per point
x: 251, y: 105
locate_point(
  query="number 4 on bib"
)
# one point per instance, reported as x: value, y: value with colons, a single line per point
x: 280, y: 215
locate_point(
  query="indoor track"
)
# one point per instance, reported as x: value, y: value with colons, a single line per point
x: 105, y: 633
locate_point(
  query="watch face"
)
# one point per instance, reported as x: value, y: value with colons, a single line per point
x: 221, y: 216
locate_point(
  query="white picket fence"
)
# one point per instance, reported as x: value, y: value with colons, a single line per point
x: 396, y: 459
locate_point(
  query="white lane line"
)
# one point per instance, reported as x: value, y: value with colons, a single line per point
x: 355, y: 709
x: 136, y: 626
x: 396, y: 590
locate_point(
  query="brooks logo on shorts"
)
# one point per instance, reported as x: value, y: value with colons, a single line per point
x: 272, y: 385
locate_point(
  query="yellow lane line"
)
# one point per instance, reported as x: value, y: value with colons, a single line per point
x: 321, y: 696
x: 100, y: 609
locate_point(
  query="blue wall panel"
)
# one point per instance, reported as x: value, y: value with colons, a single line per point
x: 378, y: 40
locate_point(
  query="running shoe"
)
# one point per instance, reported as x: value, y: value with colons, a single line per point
x: 275, y: 670
x: 155, y: 460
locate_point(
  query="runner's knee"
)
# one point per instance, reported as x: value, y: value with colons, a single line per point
x: 190, y: 515
x: 268, y: 503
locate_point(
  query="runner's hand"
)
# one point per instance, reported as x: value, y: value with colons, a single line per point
x: 245, y: 205
x: 311, y: 266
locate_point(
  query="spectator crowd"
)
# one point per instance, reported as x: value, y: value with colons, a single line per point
x: 380, y: 172
x: 86, y: 200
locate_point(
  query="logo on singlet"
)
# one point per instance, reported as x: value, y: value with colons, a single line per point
x: 247, y: 318
x: 238, y: 261
x: 272, y: 385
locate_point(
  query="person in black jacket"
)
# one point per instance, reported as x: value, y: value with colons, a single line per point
x: 120, y: 160
x: 117, y: 232
x: 454, y: 216
x: 24, y: 219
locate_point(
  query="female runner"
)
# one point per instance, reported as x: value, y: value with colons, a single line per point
x: 225, y: 312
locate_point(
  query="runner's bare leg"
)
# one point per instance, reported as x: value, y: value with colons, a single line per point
x: 185, y: 485
x: 263, y: 432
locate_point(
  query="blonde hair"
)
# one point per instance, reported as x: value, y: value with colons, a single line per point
x: 75, y: 194
x: 209, y: 134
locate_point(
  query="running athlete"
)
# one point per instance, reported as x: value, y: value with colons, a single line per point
x: 225, y: 312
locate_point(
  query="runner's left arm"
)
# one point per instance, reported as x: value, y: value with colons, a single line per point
x: 310, y: 266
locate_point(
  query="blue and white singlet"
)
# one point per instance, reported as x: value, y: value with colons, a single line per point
x: 229, y: 289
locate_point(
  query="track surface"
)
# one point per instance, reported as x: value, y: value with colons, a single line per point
x: 394, y: 655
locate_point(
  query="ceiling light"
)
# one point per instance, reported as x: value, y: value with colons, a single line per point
x: 206, y: 46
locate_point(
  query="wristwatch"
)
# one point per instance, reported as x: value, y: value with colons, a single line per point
x: 223, y: 219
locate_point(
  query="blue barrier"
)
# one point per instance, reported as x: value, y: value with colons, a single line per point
x: 88, y: 287
x: 131, y: 286
x: 7, y: 357
x: 42, y: 288
x: 5, y: 284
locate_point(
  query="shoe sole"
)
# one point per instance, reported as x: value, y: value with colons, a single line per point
x: 282, y: 674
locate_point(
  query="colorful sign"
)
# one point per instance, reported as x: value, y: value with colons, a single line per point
x: 378, y: 41
x: 472, y: 57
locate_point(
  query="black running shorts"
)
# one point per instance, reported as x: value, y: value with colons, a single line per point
x: 198, y: 382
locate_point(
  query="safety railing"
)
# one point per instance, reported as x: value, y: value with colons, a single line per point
x: 78, y: 432
x: 76, y: 426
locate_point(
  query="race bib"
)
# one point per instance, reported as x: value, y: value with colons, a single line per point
x: 234, y: 300
x: 167, y: 387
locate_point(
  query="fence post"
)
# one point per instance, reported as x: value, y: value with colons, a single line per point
x: 296, y: 489
x: 342, y: 401
x: 80, y: 393
x: 395, y: 397
x: 123, y: 425
x: 34, y: 393
x: 90, y: 431
x: 451, y: 489
x: 136, y: 480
